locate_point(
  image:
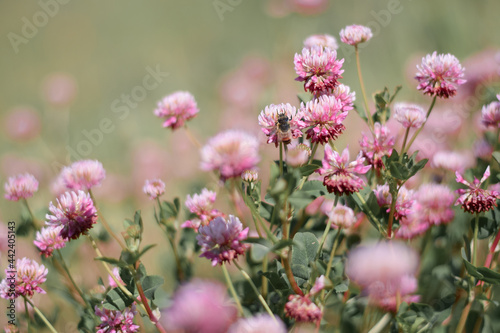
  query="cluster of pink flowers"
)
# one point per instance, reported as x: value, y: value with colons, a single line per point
x: 490, y: 114
x: 319, y: 69
x: 379, y: 145
x: 176, y: 109
x: 201, y: 205
x: 355, y: 34
x: 20, y: 187
x: 83, y: 175
x: 324, y: 117
x: 26, y: 280
x: 384, y: 271
x: 404, y: 200
x: 439, y: 74
x: 117, y: 321
x: 49, y: 239
x: 475, y: 199
x: 230, y: 153
x: 75, y: 213
x: 302, y: 308
x: 268, y: 120
x: 340, y: 174
x: 339, y: 216
x: 221, y: 240
x: 200, y: 306
x: 154, y: 188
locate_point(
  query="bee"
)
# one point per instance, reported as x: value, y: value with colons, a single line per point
x: 283, y: 130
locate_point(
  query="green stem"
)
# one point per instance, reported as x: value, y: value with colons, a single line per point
x: 420, y: 129
x: 105, y: 223
x: 281, y: 158
x: 313, y: 152
x: 404, y: 144
x: 261, y: 299
x: 391, y: 215
x: 327, y: 229
x: 476, y: 228
x: 36, y: 222
x: 231, y: 289
x: 28, y: 318
x: 330, y: 261
x: 66, y: 269
x: 363, y: 91
x: 40, y: 314
x: 265, y: 262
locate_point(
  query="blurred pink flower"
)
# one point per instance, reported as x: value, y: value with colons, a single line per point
x: 355, y: 34
x: 201, y: 205
x: 404, y: 201
x: 438, y: 75
x: 75, y: 212
x: 200, y: 306
x: 323, y: 41
x: 412, y: 224
x: 154, y: 188
x: 298, y: 155
x: 22, y: 124
x: 380, y: 145
x: 116, y: 274
x: 339, y: 216
x: 220, y: 240
x: 83, y: 175
x: 340, y: 174
x: 20, y: 187
x: 27, y: 277
x: 177, y: 108
x: 302, y: 309
x: 258, y: 324
x: 324, y: 117
x: 482, y: 149
x: 384, y: 270
x: 475, y: 199
x: 435, y: 203
x: 269, y: 121
x: 230, y: 153
x: 113, y: 321
x: 308, y: 7
x: 49, y: 239
x: 409, y: 115
x: 491, y: 114
x: 319, y: 69
x: 59, y: 89
x: 452, y: 160
x: 319, y: 285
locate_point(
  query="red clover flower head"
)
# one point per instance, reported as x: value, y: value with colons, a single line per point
x: 83, y: 175
x: 250, y: 176
x: 75, y: 212
x: 490, y: 114
x: 452, y: 160
x: 302, y: 309
x: 409, y: 115
x: 355, y: 34
x: 221, y: 240
x: 339, y: 216
x: 298, y: 155
x: 439, y: 74
x: 322, y: 41
x: 176, y: 109
x: 201, y: 205
x: 268, y: 120
x: 20, y: 187
x: 436, y: 202
x: 154, y: 188
x: 324, y: 117
x: 379, y: 145
x: 319, y: 69
x: 475, y: 199
x: 113, y: 321
x: 344, y: 94
x: 49, y: 239
x: 231, y: 153
x: 340, y: 174
x: 27, y: 278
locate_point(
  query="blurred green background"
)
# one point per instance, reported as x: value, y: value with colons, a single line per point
x: 106, y: 47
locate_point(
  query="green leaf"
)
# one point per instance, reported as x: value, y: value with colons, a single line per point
x: 405, y: 168
x: 112, y: 261
x: 117, y: 300
x: 303, y: 253
x: 487, y: 227
x: 144, y: 250
x: 367, y: 202
x: 341, y: 288
x: 150, y: 283
x: 496, y: 156
x: 308, y: 169
x: 310, y: 191
x: 481, y: 273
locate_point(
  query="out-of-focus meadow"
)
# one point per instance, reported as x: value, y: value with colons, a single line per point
x: 83, y: 84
